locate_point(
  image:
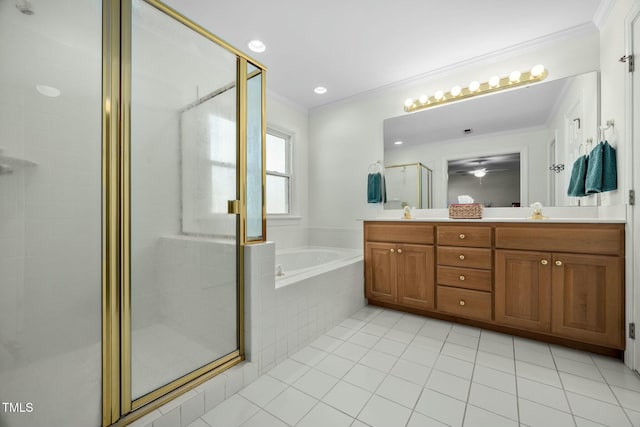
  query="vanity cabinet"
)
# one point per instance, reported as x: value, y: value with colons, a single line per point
x: 396, y: 272
x: 464, y: 271
x: 559, y: 282
x: 572, y: 286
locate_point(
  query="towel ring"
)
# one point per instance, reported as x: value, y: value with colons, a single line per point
x: 375, y: 167
x: 581, y: 148
x: 609, y: 125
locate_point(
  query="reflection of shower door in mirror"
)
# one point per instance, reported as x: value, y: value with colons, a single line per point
x: 184, y: 243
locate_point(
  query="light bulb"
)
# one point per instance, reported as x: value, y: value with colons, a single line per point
x: 438, y: 95
x: 423, y: 99
x: 480, y: 173
x: 514, y: 77
x: 408, y: 103
x: 455, y: 91
x: 537, y: 70
x: 494, y: 81
x: 257, y: 46
x: 474, y: 86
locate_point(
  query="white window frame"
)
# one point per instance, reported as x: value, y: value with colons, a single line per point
x: 288, y: 137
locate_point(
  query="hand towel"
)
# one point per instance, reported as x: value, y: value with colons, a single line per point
x: 374, y: 188
x: 609, y: 168
x: 577, y: 180
x: 593, y: 179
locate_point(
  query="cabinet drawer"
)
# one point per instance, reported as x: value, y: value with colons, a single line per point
x: 479, y: 237
x: 464, y: 302
x: 469, y: 278
x: 398, y: 233
x: 588, y: 239
x: 464, y: 257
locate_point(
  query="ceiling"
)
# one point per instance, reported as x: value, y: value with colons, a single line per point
x: 355, y: 46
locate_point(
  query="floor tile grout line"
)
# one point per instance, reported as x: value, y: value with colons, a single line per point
x: 615, y: 396
x: 473, y: 371
x: 564, y: 390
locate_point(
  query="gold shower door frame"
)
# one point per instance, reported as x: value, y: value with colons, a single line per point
x: 118, y: 408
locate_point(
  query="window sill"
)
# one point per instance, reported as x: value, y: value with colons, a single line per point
x: 277, y: 220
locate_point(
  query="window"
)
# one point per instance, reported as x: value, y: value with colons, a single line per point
x: 278, y: 173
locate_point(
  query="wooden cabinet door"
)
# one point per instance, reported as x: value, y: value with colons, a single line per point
x: 523, y: 289
x: 381, y: 271
x: 416, y: 276
x: 587, y: 298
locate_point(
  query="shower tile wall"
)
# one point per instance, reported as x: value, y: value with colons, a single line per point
x: 50, y: 215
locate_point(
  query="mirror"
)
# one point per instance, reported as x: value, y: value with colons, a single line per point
x: 540, y: 125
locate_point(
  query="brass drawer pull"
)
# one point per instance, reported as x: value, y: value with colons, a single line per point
x: 462, y: 277
x: 462, y: 236
x: 399, y: 251
x: 558, y: 263
x: 544, y: 262
x: 392, y: 250
x: 462, y: 257
x: 462, y: 302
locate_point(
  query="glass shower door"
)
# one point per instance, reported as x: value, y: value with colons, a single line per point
x: 184, y: 241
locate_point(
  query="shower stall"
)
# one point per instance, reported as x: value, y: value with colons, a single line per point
x: 410, y: 185
x: 131, y: 178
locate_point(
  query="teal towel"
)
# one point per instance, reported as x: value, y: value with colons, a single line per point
x: 593, y: 180
x: 374, y: 188
x: 577, y: 180
x: 609, y: 168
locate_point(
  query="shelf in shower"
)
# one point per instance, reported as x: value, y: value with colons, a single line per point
x: 8, y: 163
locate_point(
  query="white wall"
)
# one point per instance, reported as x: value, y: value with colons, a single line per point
x: 292, y: 120
x: 346, y: 137
x: 613, y: 93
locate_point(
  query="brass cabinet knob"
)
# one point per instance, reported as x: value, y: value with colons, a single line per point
x: 544, y: 262
x: 462, y: 236
x: 558, y: 263
x: 462, y: 277
x: 461, y: 302
x: 392, y: 250
x: 399, y: 251
x: 461, y: 256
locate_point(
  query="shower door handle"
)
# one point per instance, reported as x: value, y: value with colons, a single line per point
x: 233, y: 207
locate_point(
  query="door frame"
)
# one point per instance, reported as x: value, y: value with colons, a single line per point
x: 632, y: 352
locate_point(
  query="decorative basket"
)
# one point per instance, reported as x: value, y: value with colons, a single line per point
x: 465, y: 211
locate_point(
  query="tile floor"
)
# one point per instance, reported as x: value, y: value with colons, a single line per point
x: 383, y: 368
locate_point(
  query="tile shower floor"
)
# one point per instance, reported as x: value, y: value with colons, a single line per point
x: 384, y: 368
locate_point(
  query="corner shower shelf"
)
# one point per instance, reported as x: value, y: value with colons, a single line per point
x: 8, y: 164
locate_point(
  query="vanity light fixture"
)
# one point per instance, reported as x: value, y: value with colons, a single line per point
x: 495, y: 83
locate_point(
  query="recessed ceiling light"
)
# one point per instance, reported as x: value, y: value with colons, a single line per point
x: 257, y: 46
x: 49, y: 91
x: 398, y: 143
x: 320, y: 90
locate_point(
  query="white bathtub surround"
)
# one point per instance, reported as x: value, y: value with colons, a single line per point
x: 297, y: 264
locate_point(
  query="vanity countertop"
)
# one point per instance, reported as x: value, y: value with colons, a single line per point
x: 562, y: 215
x: 519, y: 220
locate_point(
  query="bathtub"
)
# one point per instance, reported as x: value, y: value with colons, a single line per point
x: 297, y: 264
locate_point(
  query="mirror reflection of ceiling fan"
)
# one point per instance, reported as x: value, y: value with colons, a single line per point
x: 479, y: 171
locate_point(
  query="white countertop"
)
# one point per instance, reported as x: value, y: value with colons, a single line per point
x: 583, y: 214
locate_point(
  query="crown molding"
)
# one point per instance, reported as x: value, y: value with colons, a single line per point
x: 602, y: 13
x: 484, y: 59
